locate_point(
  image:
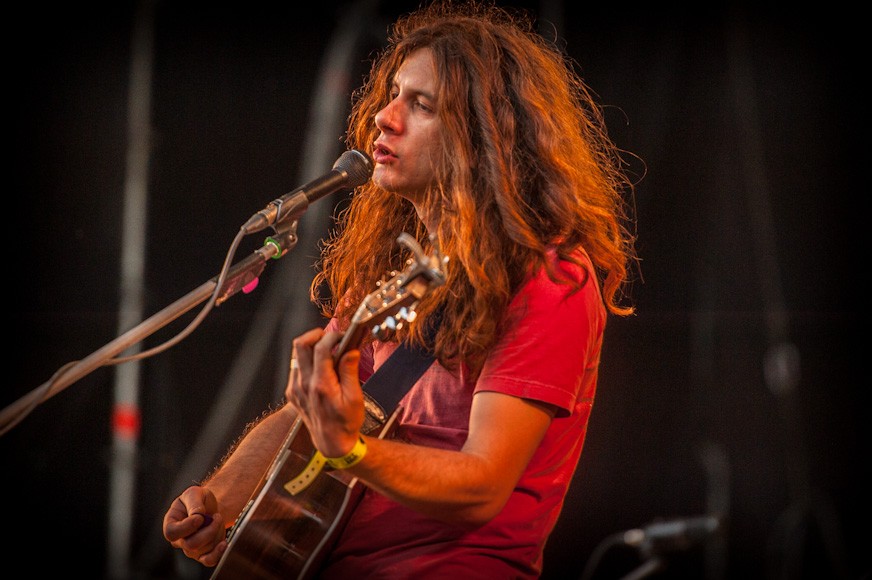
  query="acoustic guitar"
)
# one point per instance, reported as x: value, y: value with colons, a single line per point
x: 299, y: 506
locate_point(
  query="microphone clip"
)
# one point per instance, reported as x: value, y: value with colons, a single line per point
x: 287, y: 219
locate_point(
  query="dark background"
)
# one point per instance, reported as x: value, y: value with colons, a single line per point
x: 747, y: 122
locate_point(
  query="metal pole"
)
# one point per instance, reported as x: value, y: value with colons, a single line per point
x: 126, y: 413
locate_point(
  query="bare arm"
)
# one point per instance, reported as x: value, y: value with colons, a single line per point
x: 466, y: 487
x: 234, y: 481
x: 196, y: 520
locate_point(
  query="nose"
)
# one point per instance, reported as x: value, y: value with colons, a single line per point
x: 387, y: 120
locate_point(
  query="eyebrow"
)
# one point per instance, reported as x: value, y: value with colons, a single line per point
x: 414, y: 91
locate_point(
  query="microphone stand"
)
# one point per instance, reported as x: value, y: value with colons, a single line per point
x: 238, y: 277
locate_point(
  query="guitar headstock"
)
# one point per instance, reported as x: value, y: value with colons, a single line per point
x: 393, y: 302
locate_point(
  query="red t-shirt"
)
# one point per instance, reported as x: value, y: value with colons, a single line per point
x: 551, y: 354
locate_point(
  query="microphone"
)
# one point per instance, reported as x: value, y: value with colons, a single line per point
x: 673, y: 535
x: 353, y: 168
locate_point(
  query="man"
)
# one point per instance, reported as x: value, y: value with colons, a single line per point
x: 488, y: 147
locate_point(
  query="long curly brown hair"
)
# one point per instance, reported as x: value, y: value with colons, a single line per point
x: 528, y: 165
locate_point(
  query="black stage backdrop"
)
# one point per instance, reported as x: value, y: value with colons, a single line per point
x: 735, y: 390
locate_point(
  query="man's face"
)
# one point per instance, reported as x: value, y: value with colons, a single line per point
x: 408, y: 148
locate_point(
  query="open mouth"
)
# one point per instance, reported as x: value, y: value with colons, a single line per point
x: 380, y: 153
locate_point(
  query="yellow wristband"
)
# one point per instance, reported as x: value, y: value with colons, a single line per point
x: 353, y: 457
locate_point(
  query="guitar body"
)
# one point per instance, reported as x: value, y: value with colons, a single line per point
x: 284, y: 535
x: 297, y: 511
